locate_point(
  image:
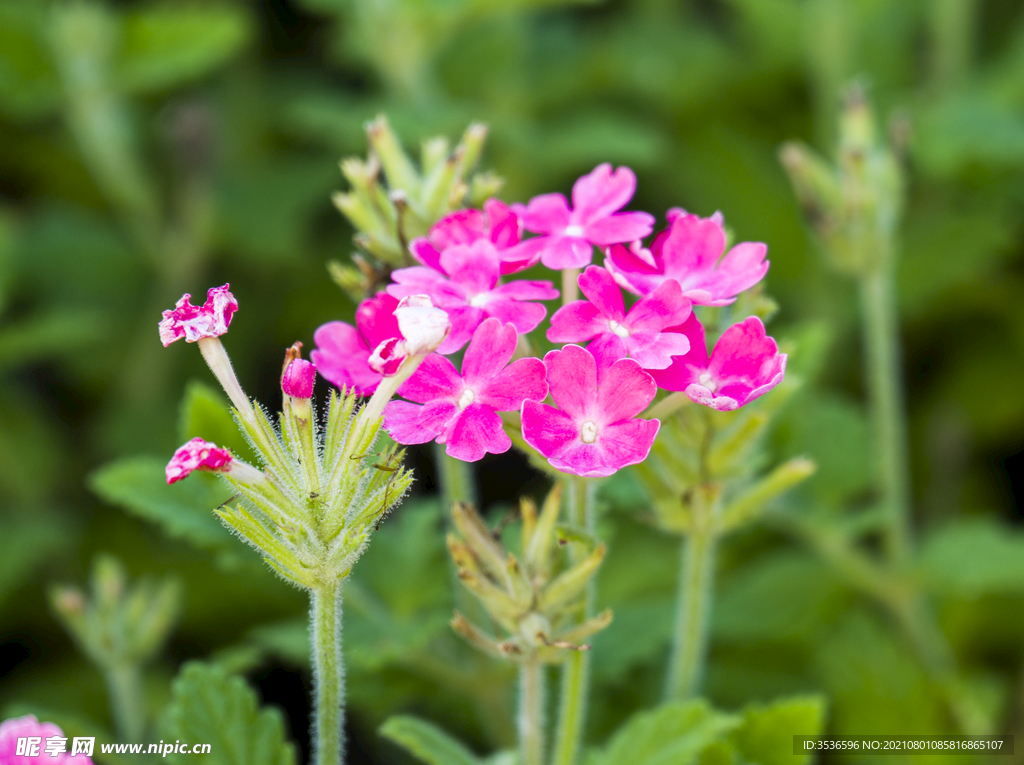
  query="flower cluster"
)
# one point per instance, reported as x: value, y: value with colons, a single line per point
x: 580, y: 406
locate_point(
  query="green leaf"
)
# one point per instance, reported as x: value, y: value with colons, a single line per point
x: 29, y: 87
x: 211, y: 707
x: 974, y: 557
x: 673, y: 734
x: 427, y: 742
x: 183, y: 510
x: 166, y: 45
x: 206, y: 413
x: 766, y: 735
x: 49, y: 334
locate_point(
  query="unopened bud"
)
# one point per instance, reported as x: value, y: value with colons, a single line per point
x: 423, y: 325
x: 298, y: 378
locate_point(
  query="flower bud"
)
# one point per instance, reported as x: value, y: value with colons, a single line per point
x: 423, y: 326
x: 198, y: 454
x: 298, y: 378
x: 195, y: 322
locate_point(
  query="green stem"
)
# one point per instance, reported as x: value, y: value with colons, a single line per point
x: 124, y: 684
x: 693, y: 612
x: 572, y: 707
x: 531, y: 713
x: 878, y: 308
x: 455, y: 477
x: 328, y: 675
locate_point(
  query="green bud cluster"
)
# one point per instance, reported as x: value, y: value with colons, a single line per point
x: 538, y: 599
x: 387, y: 216
x: 325, y: 491
x: 853, y: 206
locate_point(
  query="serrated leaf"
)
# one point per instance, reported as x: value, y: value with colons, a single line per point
x: 183, y: 510
x: 211, y: 707
x: 766, y: 735
x: 205, y: 413
x: 165, y: 45
x: 974, y: 557
x: 673, y: 734
x: 427, y: 742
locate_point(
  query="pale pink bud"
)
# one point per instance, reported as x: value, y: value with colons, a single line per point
x: 298, y: 378
x: 195, y: 322
x: 423, y: 326
x: 39, y: 743
x: 198, y: 454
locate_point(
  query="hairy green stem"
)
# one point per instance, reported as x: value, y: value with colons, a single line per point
x: 328, y: 675
x: 531, y: 713
x: 878, y: 308
x: 572, y: 705
x: 455, y: 478
x: 693, y: 613
x: 124, y: 684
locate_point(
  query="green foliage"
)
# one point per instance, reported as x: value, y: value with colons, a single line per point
x: 766, y: 734
x: 209, y: 706
x: 974, y: 557
x: 427, y: 742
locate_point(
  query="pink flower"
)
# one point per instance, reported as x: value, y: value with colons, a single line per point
x: 39, y: 739
x: 343, y: 351
x: 639, y: 334
x: 196, y: 322
x: 690, y: 251
x: 470, y: 293
x: 298, y: 378
x: 198, y: 454
x: 745, y: 364
x: 459, y: 410
x: 422, y: 328
x: 593, y: 432
x: 569, y: 234
x: 497, y: 223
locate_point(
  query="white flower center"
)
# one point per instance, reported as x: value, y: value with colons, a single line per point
x: 574, y: 230
x: 618, y: 329
x: 467, y: 398
x: 707, y: 382
x: 479, y: 301
x: 588, y: 432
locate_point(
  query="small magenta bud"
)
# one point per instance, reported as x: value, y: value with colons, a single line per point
x: 197, y: 454
x: 298, y: 378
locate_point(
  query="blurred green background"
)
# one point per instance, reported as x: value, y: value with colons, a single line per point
x: 149, y: 149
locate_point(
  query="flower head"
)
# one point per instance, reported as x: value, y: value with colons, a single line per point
x: 569, y: 234
x: 496, y: 223
x: 342, y: 351
x: 470, y: 293
x: 690, y: 251
x: 745, y: 364
x: 458, y: 410
x: 196, y: 322
x: 638, y: 334
x: 594, y: 430
x: 46, y: 737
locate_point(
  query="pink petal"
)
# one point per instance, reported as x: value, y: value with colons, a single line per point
x: 425, y: 253
x: 412, y: 424
x: 741, y: 268
x: 576, y: 323
x: 521, y: 380
x: 544, y: 214
x: 693, y: 245
x: 562, y: 252
x: 436, y: 378
x: 489, y: 351
x: 474, y: 432
x: 600, y: 288
x: 607, y: 348
x: 743, y: 351
x: 474, y: 267
x: 665, y: 307
x: 572, y: 380
x: 685, y: 370
x: 698, y: 394
x: 521, y: 256
x: 527, y: 290
x: 196, y: 454
x: 601, y: 192
x: 548, y: 430
x: 630, y: 271
x: 525, y: 316
x: 582, y: 459
x: 505, y: 227
x: 626, y: 390
x: 375, y: 319
x: 626, y: 443
x: 341, y: 358
x: 196, y: 322
x: 465, y: 319
x: 418, y: 280
x: 621, y: 227
x: 654, y: 350
x: 459, y: 227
